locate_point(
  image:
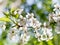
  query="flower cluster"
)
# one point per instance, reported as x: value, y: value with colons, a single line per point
x: 21, y: 26
x: 55, y: 16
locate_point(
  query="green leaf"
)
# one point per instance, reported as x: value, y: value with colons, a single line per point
x: 8, y: 25
x: 50, y: 42
x: 16, y: 16
x: 4, y: 35
x: 6, y: 14
x: 5, y: 19
x: 12, y: 10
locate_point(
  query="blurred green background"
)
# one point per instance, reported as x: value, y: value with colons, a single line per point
x: 41, y: 9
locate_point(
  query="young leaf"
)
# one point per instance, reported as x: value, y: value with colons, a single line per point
x: 5, y: 19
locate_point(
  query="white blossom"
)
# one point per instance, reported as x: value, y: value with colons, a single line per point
x: 25, y: 23
x: 24, y: 38
x: 56, y: 17
x: 13, y: 35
